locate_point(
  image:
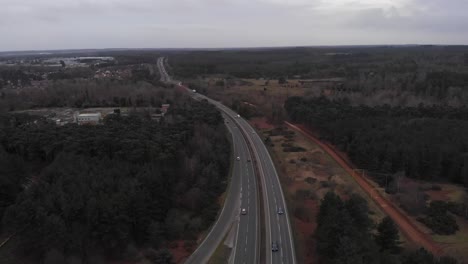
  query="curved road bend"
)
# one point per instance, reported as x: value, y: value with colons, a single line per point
x: 278, y: 227
x: 242, y: 193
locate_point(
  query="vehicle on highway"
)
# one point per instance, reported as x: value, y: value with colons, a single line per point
x: 274, y: 246
x: 238, y: 115
x: 238, y: 158
x: 243, y: 211
x: 194, y: 90
x: 280, y: 211
x: 248, y: 160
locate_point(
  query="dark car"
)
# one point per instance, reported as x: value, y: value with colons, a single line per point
x: 280, y: 211
x: 274, y: 246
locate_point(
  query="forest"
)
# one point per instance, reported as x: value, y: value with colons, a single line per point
x: 425, y: 142
x: 108, y: 190
x: 140, y: 91
x: 346, y: 234
x: 394, y: 75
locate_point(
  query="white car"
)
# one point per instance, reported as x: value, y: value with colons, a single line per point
x: 238, y: 158
x: 238, y: 115
x: 243, y: 211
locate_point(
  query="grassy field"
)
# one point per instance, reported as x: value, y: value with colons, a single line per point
x: 306, y: 177
x: 261, y: 99
x: 456, y: 245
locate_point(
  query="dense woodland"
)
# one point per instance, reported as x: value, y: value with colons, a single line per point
x: 142, y: 90
x: 346, y: 235
x: 81, y: 191
x: 395, y: 75
x: 426, y: 142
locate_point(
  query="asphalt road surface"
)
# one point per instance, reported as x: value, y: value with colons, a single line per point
x: 162, y: 71
x: 277, y: 226
x: 242, y: 193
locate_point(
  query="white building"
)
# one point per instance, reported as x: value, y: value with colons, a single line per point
x: 89, y: 119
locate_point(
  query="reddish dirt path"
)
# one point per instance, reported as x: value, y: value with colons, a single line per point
x: 406, y: 226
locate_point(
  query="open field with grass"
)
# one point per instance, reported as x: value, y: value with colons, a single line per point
x: 306, y: 176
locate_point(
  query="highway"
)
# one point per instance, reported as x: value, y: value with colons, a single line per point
x: 277, y: 226
x: 241, y: 193
x: 162, y: 70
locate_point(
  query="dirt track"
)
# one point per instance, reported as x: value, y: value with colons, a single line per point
x: 411, y: 232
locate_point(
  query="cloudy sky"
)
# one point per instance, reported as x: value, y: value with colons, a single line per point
x: 65, y: 24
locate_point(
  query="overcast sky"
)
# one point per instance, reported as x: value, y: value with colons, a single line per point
x: 67, y: 24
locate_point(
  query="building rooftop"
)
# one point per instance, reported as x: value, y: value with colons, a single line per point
x: 90, y: 115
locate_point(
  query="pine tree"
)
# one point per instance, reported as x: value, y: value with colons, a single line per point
x: 387, y: 236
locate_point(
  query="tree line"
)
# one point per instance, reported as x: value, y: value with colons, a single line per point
x: 346, y: 235
x: 81, y: 191
x: 89, y: 93
x: 425, y: 142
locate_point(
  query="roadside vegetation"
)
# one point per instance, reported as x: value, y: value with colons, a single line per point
x: 110, y: 190
x: 346, y: 234
x: 423, y: 143
x: 132, y: 189
x: 398, y: 113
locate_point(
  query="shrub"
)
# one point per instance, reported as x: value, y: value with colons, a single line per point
x: 293, y: 149
x: 324, y: 184
x: 301, y: 213
x: 302, y: 194
x: 438, y: 220
x: 310, y: 180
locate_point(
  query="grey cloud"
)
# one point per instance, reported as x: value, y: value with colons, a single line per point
x: 51, y: 24
x: 433, y: 18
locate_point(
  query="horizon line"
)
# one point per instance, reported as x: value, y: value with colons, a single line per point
x: 228, y: 48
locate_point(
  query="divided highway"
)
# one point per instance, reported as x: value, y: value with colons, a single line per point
x: 277, y: 226
x: 279, y: 242
x: 162, y: 70
x: 242, y: 193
